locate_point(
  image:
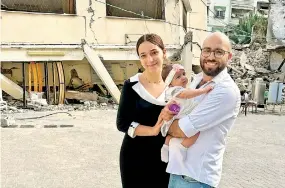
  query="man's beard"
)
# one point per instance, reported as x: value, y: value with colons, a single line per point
x: 212, y: 71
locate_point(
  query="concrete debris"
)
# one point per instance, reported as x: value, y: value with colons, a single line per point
x: 16, y: 106
x: 88, y: 96
x: 3, y: 105
x: 104, y: 100
x: 251, y: 73
x: 12, y: 108
x: 36, y: 98
x: 74, y: 101
x: 251, y: 61
x: 41, y: 102
x: 262, y: 70
x: 259, y: 58
x: 243, y: 59
x: 36, y: 95
x: 87, y: 103
x: 249, y: 67
x: 7, y: 121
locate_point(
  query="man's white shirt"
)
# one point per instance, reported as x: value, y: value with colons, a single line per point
x: 213, y: 117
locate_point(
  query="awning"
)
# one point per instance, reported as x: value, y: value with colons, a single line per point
x: 220, y: 8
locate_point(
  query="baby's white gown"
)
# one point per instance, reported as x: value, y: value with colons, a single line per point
x: 175, y: 149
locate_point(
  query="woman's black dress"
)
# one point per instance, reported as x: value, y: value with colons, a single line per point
x: 140, y: 158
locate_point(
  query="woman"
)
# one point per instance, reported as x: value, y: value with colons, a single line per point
x: 141, y: 102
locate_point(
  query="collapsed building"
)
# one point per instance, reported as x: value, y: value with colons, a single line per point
x: 59, y: 51
x: 73, y: 54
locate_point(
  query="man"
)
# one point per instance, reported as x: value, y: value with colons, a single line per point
x: 213, y: 118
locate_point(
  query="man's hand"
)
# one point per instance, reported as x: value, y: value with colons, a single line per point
x: 166, y: 114
x: 175, y: 131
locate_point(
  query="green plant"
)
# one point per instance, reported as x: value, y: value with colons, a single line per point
x: 242, y: 33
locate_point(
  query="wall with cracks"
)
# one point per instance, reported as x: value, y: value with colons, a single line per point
x: 276, y: 33
x: 276, y: 23
x: 103, y: 29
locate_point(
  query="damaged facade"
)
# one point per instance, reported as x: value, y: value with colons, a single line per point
x: 262, y: 63
x: 276, y: 35
x: 69, y: 48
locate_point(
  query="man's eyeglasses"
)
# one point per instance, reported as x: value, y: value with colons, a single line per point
x: 218, y: 53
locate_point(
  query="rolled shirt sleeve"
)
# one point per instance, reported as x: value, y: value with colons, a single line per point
x: 218, y: 106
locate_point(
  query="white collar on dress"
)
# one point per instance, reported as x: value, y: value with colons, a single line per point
x: 142, y: 92
x: 135, y: 78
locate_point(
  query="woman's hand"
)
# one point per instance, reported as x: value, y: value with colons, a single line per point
x: 157, y: 126
x: 166, y: 114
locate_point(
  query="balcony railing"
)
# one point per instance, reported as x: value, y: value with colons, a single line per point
x: 243, y: 4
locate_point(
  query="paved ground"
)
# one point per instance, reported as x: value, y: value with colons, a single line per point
x: 86, y: 155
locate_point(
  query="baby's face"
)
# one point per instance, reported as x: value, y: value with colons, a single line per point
x: 180, y: 79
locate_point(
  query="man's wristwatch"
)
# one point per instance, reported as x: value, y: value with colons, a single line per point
x: 132, y: 128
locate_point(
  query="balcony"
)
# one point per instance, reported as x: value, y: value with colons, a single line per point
x: 243, y: 4
x: 41, y: 28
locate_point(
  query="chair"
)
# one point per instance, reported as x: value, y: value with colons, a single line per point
x: 246, y: 103
x: 244, y: 99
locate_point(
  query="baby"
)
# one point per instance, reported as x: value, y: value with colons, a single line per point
x: 174, y: 77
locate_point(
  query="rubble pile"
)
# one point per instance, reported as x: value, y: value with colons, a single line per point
x: 256, y: 58
x: 250, y: 63
x: 16, y: 106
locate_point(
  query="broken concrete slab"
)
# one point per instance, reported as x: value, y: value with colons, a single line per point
x: 103, y: 104
x: 262, y: 70
x: 11, y: 87
x: 87, y: 103
x: 249, y: 67
x: 252, y: 73
x: 103, y: 100
x: 87, y: 96
x: 243, y: 60
x: 7, y: 121
x: 101, y: 71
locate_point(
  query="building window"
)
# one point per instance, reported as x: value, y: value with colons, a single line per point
x: 150, y: 8
x: 43, y: 6
x: 261, y: 5
x: 220, y: 12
